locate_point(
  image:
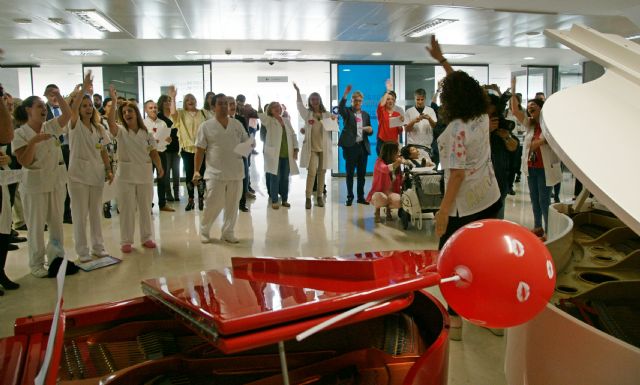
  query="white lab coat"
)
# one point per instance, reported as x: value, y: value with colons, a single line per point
x: 272, y: 144
x: 327, y: 146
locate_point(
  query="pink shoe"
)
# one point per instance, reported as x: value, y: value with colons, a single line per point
x: 149, y: 244
x: 126, y: 248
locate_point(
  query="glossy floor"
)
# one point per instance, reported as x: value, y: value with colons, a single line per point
x: 332, y: 230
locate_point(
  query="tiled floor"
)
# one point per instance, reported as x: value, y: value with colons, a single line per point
x: 332, y: 230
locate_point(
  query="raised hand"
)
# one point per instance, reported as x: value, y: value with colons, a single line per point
x: 347, y: 91
x: 87, y: 82
x: 296, y: 87
x: 434, y: 49
x: 172, y: 91
x: 389, y: 85
x: 113, y: 93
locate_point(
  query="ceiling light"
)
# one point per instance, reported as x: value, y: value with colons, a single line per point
x: 633, y: 37
x: 192, y: 52
x: 84, y: 52
x: 427, y: 27
x: 533, y: 33
x: 457, y: 55
x: 376, y: 53
x: 576, y: 64
x: 58, y: 20
x: 346, y: 70
x: 528, y: 58
x: 282, y: 53
x: 22, y: 20
x: 95, y: 19
x: 431, y: 78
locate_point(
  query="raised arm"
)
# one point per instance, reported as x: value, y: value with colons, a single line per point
x: 514, y: 104
x: 386, y: 95
x: 342, y: 106
x: 436, y: 53
x: 111, y: 118
x: 173, y: 92
x: 302, y: 110
x: 65, y: 110
x: 299, y: 97
x: 80, y: 91
x: 6, y: 124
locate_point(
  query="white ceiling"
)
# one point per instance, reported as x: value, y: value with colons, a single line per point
x: 162, y: 30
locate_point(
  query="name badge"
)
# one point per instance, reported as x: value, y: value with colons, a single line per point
x: 98, y: 146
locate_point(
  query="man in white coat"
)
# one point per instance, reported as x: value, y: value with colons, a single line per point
x: 215, y: 142
x: 420, y: 121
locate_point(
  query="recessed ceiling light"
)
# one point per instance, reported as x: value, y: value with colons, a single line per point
x: 95, y: 19
x: 346, y: 70
x: 431, y: 78
x: 22, y: 20
x: 58, y: 20
x: 282, y: 53
x: 576, y: 64
x: 192, y: 52
x: 376, y: 53
x: 528, y: 58
x: 457, y: 55
x: 84, y: 52
x: 427, y: 27
x: 533, y: 33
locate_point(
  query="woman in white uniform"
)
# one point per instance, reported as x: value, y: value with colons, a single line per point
x: 136, y: 151
x: 317, y: 148
x: 89, y: 165
x: 43, y: 187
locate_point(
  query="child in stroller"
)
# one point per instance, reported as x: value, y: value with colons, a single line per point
x: 415, y: 155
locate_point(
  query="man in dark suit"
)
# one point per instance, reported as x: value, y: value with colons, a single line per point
x: 53, y: 111
x: 354, y: 140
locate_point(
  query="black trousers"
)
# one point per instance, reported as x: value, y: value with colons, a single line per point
x: 67, y: 199
x: 188, y: 162
x: 161, y: 183
x: 455, y: 223
x: 245, y: 182
x: 356, y: 162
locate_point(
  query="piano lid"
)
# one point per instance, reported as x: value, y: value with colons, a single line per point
x: 595, y: 127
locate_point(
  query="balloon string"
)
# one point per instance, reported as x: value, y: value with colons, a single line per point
x: 453, y: 278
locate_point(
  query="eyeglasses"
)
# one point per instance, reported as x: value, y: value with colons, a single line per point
x: 356, y: 100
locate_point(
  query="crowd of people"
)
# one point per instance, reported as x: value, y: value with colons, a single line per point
x: 71, y: 149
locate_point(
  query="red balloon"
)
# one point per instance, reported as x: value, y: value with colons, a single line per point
x: 507, y: 273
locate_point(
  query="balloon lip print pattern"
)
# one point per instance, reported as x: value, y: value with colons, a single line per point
x: 507, y: 275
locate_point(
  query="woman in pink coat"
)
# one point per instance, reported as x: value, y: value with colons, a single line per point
x: 387, y: 180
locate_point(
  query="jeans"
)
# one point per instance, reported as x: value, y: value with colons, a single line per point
x: 188, y: 162
x: 280, y: 182
x: 173, y: 166
x: 355, y: 158
x: 162, y: 182
x: 540, y: 195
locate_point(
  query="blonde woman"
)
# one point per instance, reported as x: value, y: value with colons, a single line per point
x: 187, y: 120
x: 317, y: 148
x: 89, y: 166
x: 136, y: 151
x: 280, y: 153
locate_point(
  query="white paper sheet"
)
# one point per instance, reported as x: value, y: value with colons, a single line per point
x: 330, y: 124
x: 8, y: 177
x: 161, y: 137
x: 395, y: 122
x: 245, y: 148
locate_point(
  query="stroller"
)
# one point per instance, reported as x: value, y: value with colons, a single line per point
x: 422, y: 193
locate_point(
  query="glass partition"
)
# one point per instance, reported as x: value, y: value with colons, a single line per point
x: 188, y: 79
x: 17, y: 81
x: 66, y: 77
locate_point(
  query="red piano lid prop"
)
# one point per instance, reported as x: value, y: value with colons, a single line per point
x: 262, y: 292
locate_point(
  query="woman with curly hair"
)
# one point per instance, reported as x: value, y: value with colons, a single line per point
x: 471, y: 190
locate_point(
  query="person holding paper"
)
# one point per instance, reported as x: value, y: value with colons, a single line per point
x: 162, y: 135
x: 216, y: 141
x: 89, y: 167
x: 43, y: 187
x: 354, y: 140
x: 317, y: 150
x: 280, y: 152
x: 390, y: 119
x: 421, y: 120
x: 136, y: 151
x: 233, y: 113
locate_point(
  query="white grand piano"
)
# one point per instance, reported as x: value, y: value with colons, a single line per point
x: 590, y: 332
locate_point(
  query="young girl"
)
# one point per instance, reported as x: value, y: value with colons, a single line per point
x: 387, y: 179
x: 316, y: 154
x: 43, y: 185
x: 413, y: 157
x: 136, y: 150
x: 89, y: 165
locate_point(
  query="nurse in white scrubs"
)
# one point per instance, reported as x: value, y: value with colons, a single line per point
x: 134, y: 177
x: 43, y: 187
x: 6, y: 135
x: 89, y: 166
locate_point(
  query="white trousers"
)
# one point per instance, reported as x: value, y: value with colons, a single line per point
x: 86, y: 201
x: 40, y: 209
x: 315, y: 173
x: 221, y: 195
x: 132, y: 197
x: 392, y: 201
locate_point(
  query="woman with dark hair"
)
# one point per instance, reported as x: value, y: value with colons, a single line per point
x: 187, y: 120
x: 136, y: 151
x: 43, y: 186
x: 317, y: 150
x: 172, y: 152
x: 207, y: 108
x: 387, y: 180
x: 89, y: 166
x: 471, y: 190
x: 542, y: 164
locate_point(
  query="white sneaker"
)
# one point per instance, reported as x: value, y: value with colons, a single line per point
x: 204, y: 238
x: 230, y: 239
x: 85, y: 258
x: 100, y: 254
x: 40, y: 272
x: 455, y: 328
